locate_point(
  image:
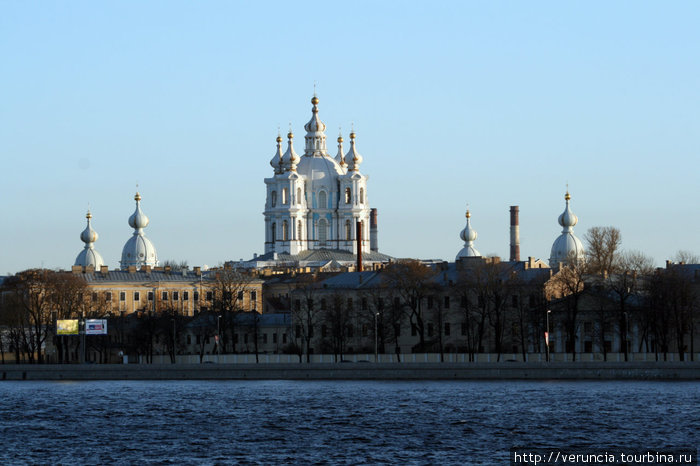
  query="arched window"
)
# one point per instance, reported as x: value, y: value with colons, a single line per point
x: 273, y: 198
x: 274, y: 232
x: 285, y: 231
x: 362, y: 195
x: 348, y: 195
x: 322, y: 200
x: 322, y: 232
x: 285, y: 196
x: 299, y: 237
x: 348, y: 230
x: 298, y: 195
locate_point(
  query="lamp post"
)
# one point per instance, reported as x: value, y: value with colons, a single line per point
x: 376, y: 337
x: 627, y: 328
x: 174, y: 352
x: 546, y: 340
x: 218, y: 336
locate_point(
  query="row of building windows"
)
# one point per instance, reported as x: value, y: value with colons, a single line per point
x: 246, y: 337
x: 322, y: 197
x: 166, y: 295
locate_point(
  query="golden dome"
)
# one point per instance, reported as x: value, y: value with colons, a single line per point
x: 279, y: 138
x: 137, y: 197
x: 567, y: 196
x: 468, y: 214
x: 314, y: 100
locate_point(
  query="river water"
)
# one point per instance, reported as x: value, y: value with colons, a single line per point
x: 346, y: 422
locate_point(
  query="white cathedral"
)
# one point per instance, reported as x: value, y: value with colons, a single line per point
x: 317, y: 202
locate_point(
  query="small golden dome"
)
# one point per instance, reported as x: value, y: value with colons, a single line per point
x: 314, y: 100
x: 137, y: 197
x: 290, y: 135
x: 352, y: 135
x: 89, y: 215
x: 468, y: 214
x: 279, y: 138
x: 340, y: 138
x: 568, y: 196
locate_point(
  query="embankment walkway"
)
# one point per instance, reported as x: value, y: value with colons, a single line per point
x: 358, y: 371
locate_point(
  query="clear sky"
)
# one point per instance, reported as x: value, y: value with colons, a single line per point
x: 489, y: 104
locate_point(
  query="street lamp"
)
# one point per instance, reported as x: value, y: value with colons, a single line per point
x: 376, y: 338
x: 627, y: 329
x: 174, y: 353
x: 218, y: 336
x: 546, y: 336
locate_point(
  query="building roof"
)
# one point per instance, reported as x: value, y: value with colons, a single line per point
x: 141, y: 276
x: 315, y: 258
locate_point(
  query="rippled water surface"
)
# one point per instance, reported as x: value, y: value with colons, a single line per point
x: 216, y: 422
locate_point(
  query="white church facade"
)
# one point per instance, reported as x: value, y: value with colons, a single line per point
x: 318, y: 202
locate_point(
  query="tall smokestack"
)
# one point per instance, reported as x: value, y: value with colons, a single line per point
x: 373, y: 232
x: 358, y: 236
x: 514, y: 233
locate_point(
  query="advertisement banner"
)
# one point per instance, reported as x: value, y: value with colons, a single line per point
x: 67, y: 327
x: 96, y: 327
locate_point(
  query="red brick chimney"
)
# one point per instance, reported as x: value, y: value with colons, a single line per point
x: 514, y: 233
x: 358, y: 237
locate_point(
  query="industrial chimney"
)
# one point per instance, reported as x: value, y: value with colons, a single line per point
x: 514, y: 234
x: 373, y: 240
x: 358, y: 236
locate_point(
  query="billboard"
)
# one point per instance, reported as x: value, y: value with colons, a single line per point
x: 67, y: 327
x: 96, y: 327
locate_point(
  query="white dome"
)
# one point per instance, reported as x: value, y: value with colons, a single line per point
x: 567, y: 246
x: 340, y: 157
x: 138, y: 250
x: 290, y: 159
x: 468, y: 235
x: 276, y: 161
x: 138, y: 219
x: 89, y: 256
x: 353, y: 158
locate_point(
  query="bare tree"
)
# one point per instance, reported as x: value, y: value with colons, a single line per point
x: 602, y: 249
x: 623, y: 283
x: 228, y: 288
x: 412, y: 283
x: 687, y: 257
x: 305, y: 312
x: 567, y: 285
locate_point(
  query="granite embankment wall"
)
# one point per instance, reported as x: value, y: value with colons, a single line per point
x: 359, y: 371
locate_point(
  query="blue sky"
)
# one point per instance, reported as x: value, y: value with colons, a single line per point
x: 491, y: 104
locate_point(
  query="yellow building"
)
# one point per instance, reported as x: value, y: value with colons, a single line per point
x: 162, y: 289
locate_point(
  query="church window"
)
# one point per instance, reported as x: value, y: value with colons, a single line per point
x: 348, y: 195
x: 150, y: 296
x: 322, y: 232
x: 122, y: 296
x: 362, y: 195
x: 274, y: 232
x: 285, y: 196
x: 273, y: 198
x: 299, y: 229
x: 322, y: 200
x: 108, y: 296
x: 348, y: 230
x: 298, y: 195
x: 285, y: 231
x: 137, y: 296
